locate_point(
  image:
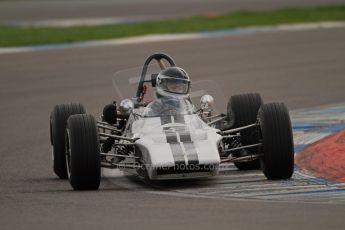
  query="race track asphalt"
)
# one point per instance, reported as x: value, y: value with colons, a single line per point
x: 19, y: 12
x: 302, y: 68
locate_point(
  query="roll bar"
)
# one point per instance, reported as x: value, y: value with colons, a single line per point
x: 158, y: 57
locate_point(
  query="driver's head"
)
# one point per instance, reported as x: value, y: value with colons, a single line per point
x: 173, y: 82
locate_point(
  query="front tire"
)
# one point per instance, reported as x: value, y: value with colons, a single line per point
x: 242, y: 110
x: 83, y: 152
x: 275, y: 124
x: 58, y: 122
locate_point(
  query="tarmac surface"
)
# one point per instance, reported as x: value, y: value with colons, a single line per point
x: 301, y: 68
x: 31, y: 12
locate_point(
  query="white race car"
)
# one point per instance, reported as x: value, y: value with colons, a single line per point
x: 173, y: 140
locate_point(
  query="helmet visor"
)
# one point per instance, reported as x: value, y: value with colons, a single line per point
x: 175, y: 85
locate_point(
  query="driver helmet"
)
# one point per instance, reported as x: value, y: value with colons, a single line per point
x: 173, y: 82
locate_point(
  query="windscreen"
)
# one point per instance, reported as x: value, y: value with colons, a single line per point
x: 126, y: 82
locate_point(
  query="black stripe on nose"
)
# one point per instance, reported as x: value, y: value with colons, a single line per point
x: 165, y: 120
x: 185, y: 137
x: 192, y: 155
x: 185, y: 140
x: 171, y: 137
x: 177, y: 154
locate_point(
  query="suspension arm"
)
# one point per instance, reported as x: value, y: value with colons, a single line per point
x: 243, y: 147
x: 114, y: 166
x: 118, y: 137
x: 239, y: 159
x: 108, y: 128
x: 237, y: 129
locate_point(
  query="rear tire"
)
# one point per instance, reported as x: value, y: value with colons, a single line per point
x: 83, y: 152
x: 242, y: 109
x: 58, y: 122
x: 275, y: 124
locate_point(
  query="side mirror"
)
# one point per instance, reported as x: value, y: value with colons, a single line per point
x: 126, y: 107
x: 206, y: 102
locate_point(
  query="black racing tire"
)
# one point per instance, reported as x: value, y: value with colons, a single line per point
x: 278, y: 147
x: 83, y: 152
x: 242, y: 110
x: 58, y: 122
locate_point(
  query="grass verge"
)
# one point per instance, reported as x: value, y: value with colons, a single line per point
x: 21, y: 36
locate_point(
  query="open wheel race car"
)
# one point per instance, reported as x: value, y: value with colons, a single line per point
x: 176, y: 141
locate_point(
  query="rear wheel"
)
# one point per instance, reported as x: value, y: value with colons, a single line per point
x: 242, y: 110
x: 275, y: 124
x: 83, y: 152
x: 58, y: 122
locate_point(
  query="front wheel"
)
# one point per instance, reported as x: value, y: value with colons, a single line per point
x: 278, y: 148
x: 58, y: 122
x: 83, y: 152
